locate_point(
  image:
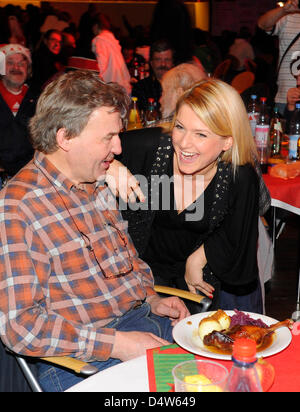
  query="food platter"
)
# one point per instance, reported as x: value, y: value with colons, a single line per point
x: 185, y: 334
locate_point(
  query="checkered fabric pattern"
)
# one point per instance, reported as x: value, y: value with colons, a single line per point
x: 61, y: 247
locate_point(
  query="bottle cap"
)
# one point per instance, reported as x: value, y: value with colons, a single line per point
x: 297, y: 105
x: 263, y: 99
x: 253, y: 96
x: 151, y: 100
x: 134, y: 99
x: 244, y: 350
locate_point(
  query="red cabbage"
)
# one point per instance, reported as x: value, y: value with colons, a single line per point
x: 241, y: 318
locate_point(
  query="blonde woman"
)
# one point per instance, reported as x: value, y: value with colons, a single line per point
x: 206, y: 240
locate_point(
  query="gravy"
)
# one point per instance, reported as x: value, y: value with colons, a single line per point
x: 267, y: 342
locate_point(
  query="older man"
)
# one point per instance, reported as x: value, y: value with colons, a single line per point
x: 70, y: 278
x: 17, y: 106
x: 174, y: 83
x: 161, y: 60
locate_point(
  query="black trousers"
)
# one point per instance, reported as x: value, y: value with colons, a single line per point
x: 11, y: 376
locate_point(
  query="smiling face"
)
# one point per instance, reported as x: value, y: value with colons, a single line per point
x: 54, y: 43
x: 16, y: 70
x: 90, y: 153
x: 196, y: 147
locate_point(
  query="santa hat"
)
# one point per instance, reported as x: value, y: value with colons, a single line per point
x: 9, y: 49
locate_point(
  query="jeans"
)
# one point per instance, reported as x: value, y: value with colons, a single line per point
x: 252, y: 302
x: 54, y: 379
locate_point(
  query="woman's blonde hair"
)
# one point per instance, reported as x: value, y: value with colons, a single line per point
x: 221, y: 108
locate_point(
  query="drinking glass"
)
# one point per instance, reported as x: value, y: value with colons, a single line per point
x: 199, y: 376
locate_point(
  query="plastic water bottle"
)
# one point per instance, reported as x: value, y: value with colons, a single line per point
x: 262, y: 136
x: 253, y: 112
x: 294, y: 135
x: 243, y: 376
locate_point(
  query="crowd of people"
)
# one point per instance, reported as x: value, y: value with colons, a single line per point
x: 77, y: 270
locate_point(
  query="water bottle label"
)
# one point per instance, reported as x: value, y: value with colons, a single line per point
x: 253, y: 117
x: 261, y: 135
x: 253, y: 126
x: 293, y: 141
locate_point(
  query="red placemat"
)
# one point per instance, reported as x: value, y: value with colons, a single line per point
x: 287, y: 367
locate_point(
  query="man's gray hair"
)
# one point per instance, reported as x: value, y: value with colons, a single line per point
x: 68, y: 102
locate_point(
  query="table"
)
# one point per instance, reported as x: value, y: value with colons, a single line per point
x: 284, y: 193
x: 132, y: 376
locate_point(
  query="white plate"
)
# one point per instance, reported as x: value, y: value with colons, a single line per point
x: 185, y: 333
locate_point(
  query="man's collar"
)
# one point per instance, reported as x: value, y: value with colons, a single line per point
x: 52, y: 174
x: 58, y: 179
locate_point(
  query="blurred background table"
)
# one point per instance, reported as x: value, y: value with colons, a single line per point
x: 285, y: 194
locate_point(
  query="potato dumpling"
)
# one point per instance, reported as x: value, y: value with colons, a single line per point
x: 222, y: 318
x: 216, y: 321
x: 208, y: 325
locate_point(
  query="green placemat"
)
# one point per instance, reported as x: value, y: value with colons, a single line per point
x: 160, y: 362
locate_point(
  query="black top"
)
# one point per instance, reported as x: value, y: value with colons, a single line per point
x: 15, y: 147
x: 143, y: 89
x: 229, y: 229
x: 288, y: 115
x: 173, y: 235
x: 45, y: 65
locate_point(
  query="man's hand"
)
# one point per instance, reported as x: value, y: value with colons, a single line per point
x: 171, y: 307
x: 291, y: 6
x: 130, y: 345
x: 293, y: 96
x: 269, y: 19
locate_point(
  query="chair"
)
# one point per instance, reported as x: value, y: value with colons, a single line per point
x: 85, y: 368
x: 243, y: 81
x: 222, y: 69
x: 184, y: 294
x: 250, y: 65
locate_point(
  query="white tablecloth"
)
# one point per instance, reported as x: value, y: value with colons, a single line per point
x: 130, y: 376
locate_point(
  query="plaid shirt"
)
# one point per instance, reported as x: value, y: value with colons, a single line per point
x: 61, y: 247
